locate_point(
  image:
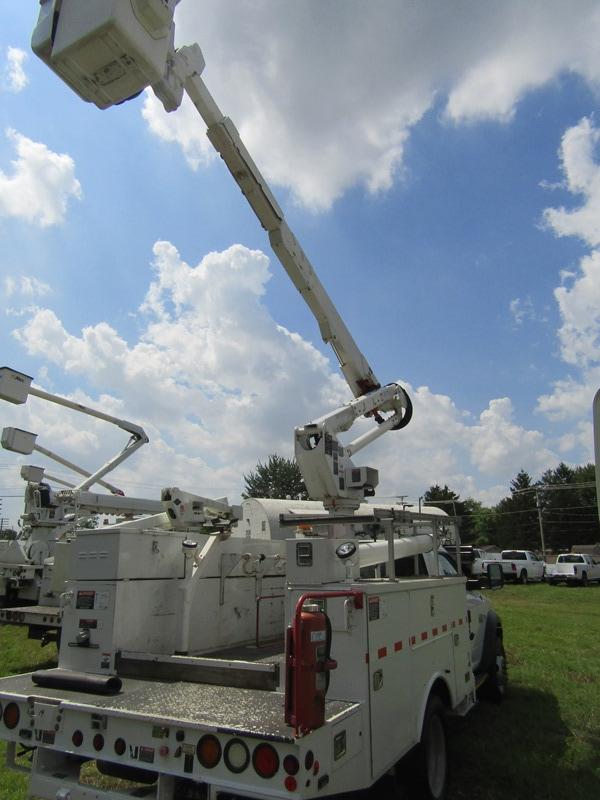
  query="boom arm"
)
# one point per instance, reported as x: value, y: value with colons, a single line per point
x: 326, y: 466
x: 137, y: 439
x: 15, y: 387
x: 187, y: 66
x: 110, y: 52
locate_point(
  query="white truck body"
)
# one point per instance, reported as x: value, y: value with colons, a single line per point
x: 407, y: 640
x: 519, y: 566
x: 573, y: 568
x: 126, y: 609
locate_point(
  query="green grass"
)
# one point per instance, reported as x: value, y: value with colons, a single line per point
x: 542, y: 743
x: 544, y: 740
x: 19, y: 654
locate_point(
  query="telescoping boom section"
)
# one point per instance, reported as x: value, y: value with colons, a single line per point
x: 108, y: 52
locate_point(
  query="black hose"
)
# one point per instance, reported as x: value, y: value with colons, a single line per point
x: 77, y: 681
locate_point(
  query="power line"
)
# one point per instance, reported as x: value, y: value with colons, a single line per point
x: 553, y: 486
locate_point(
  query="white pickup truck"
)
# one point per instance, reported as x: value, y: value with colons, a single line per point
x: 573, y: 568
x: 473, y: 560
x: 519, y: 566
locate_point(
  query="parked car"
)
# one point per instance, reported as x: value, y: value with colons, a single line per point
x: 573, y: 568
x: 519, y: 566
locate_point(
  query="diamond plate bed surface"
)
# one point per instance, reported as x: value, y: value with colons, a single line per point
x: 249, y: 711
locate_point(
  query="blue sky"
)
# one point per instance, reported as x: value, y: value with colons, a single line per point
x: 440, y: 169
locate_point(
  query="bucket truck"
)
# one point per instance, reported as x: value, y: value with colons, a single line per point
x: 371, y: 665
x: 29, y: 572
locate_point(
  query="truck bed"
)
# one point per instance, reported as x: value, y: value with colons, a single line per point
x: 220, y: 708
x: 39, y: 616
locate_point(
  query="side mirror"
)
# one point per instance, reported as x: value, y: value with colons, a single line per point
x: 495, y: 576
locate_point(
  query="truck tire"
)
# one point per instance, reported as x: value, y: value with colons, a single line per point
x: 584, y: 579
x: 523, y: 576
x: 496, y: 684
x: 429, y: 768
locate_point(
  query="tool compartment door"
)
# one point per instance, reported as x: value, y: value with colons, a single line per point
x: 392, y: 706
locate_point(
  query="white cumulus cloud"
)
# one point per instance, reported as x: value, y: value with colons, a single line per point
x: 219, y: 384
x: 581, y: 168
x: 25, y: 286
x: 15, y: 77
x: 40, y: 185
x: 325, y: 94
x: 578, y: 296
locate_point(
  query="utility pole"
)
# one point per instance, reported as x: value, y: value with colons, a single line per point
x: 540, y: 520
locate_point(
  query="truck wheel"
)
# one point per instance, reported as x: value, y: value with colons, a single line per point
x: 429, y: 772
x: 496, y: 683
x: 584, y: 579
x: 523, y: 576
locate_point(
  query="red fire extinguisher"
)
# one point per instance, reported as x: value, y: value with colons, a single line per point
x: 308, y: 663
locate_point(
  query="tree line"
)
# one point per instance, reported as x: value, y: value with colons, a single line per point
x: 561, y: 505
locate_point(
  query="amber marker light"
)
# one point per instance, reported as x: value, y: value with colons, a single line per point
x: 208, y: 751
x: 11, y: 716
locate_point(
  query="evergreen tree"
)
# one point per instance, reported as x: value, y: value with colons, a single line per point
x: 569, y: 515
x: 517, y: 517
x: 449, y: 502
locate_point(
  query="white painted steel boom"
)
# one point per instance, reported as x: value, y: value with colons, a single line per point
x: 15, y: 387
x: 187, y: 66
x: 109, y: 53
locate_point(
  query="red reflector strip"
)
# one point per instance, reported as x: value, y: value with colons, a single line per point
x: 413, y: 639
x: 434, y: 632
x: 366, y: 658
x: 382, y: 652
x: 424, y: 636
x: 397, y: 646
x: 444, y: 628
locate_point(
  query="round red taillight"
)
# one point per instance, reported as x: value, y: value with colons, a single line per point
x: 290, y: 783
x: 236, y: 755
x: 208, y: 751
x: 120, y: 746
x: 316, y: 768
x: 291, y: 765
x: 309, y: 759
x: 265, y: 760
x: 11, y: 716
x: 77, y: 739
x: 98, y: 742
